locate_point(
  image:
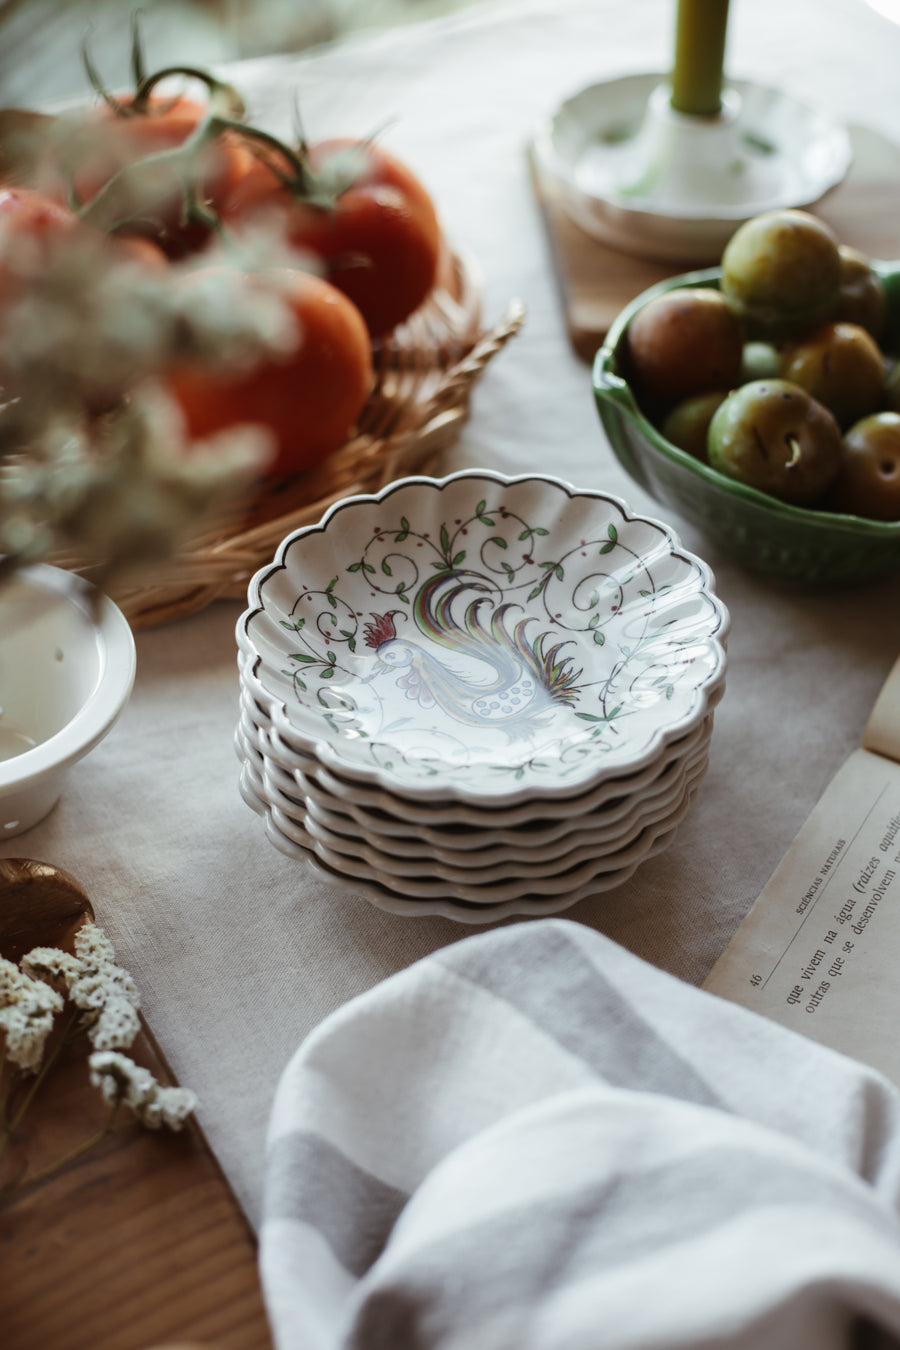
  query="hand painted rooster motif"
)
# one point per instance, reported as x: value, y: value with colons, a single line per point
x: 492, y: 674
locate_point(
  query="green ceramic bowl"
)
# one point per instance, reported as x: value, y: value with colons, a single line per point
x: 759, y: 532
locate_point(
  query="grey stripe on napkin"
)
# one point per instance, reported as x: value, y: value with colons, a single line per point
x: 309, y: 1180
x: 571, y: 1000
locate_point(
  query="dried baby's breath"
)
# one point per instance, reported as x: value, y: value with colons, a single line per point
x: 88, y: 324
x: 27, y: 1010
x: 49, y: 964
x: 104, y: 1001
x: 117, y: 1025
x: 104, y: 991
x: 122, y: 1081
x: 92, y: 945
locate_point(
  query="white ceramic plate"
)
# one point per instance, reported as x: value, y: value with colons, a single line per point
x: 297, y: 788
x: 476, y: 851
x: 425, y: 887
x: 412, y: 856
x: 388, y: 900
x: 459, y: 910
x: 400, y: 813
x: 455, y: 822
x: 510, y: 874
x: 483, y: 639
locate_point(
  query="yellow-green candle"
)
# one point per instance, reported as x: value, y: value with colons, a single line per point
x: 699, y: 56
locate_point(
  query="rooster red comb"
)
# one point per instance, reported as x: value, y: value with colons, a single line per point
x: 380, y: 630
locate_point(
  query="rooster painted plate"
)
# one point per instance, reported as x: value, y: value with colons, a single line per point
x: 484, y: 638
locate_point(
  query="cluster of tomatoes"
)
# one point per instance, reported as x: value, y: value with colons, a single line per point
x: 361, y: 225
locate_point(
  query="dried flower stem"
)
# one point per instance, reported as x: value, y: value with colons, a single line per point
x: 4, y: 1091
x: 37, y: 1177
x: 26, y: 1181
x: 9, y: 1127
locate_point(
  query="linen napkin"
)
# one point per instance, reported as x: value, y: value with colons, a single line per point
x: 533, y: 1140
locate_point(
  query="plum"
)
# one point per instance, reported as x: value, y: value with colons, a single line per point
x: 781, y: 272
x: 868, y: 481
x: 771, y: 435
x: 687, y: 425
x: 862, y: 297
x: 841, y: 365
x: 685, y: 342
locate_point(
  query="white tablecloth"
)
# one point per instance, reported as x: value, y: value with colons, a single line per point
x: 240, y: 951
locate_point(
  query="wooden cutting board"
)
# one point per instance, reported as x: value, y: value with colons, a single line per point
x: 139, y: 1242
x: 596, y: 282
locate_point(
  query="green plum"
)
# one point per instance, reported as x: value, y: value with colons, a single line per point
x: 760, y: 361
x: 892, y: 386
x: 687, y: 425
x: 841, y: 365
x: 771, y: 435
x: 862, y: 297
x: 781, y: 272
x: 868, y: 481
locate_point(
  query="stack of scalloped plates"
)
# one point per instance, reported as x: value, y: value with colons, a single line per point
x: 478, y: 696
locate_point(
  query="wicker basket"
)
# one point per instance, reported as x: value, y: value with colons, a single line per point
x: 424, y: 374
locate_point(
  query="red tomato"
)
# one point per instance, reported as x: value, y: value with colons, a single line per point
x: 35, y: 213
x: 31, y: 225
x: 133, y: 248
x: 308, y: 399
x: 381, y: 240
x: 37, y: 234
x: 91, y: 150
x: 36, y: 225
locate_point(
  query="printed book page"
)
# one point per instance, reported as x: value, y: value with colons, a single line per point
x: 819, y: 950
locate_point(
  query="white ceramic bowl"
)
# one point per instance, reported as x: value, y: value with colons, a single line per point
x: 66, y: 672
x: 483, y: 639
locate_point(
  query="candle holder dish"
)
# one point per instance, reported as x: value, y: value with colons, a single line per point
x: 478, y: 692
x: 763, y: 534
x: 67, y: 664
x: 661, y: 184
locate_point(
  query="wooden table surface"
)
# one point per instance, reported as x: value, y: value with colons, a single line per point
x: 139, y: 1242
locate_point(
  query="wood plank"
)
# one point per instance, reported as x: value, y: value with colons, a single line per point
x: 595, y: 282
x: 139, y: 1242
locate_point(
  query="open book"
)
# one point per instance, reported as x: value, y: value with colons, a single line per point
x: 820, y: 949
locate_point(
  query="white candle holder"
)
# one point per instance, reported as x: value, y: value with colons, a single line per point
x: 653, y: 182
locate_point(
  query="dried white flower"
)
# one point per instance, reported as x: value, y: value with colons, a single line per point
x: 170, y: 1107
x: 121, y: 1080
x: 117, y: 1025
x: 27, y: 1009
x: 95, y: 987
x: 92, y: 944
x: 49, y: 964
x: 104, y: 991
